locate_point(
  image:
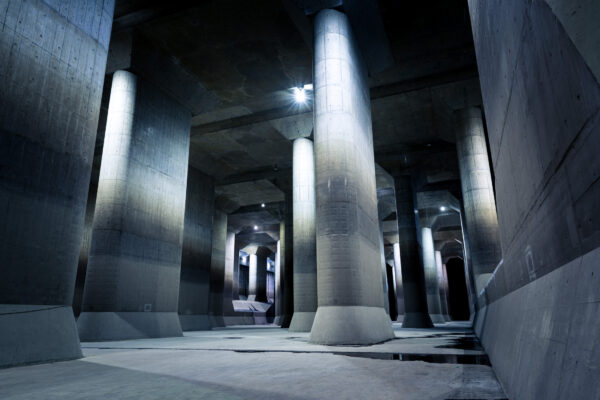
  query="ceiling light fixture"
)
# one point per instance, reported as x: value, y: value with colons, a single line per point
x: 263, y: 205
x: 300, y: 95
x: 255, y: 227
x: 442, y: 208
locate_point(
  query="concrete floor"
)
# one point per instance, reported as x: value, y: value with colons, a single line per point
x: 265, y: 362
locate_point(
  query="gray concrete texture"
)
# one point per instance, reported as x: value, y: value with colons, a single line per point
x: 52, y: 63
x: 287, y: 261
x: 431, y: 276
x: 257, y: 287
x: 351, y: 308
x: 305, y: 256
x: 398, y: 280
x: 194, y: 284
x: 416, y: 314
x: 217, y: 268
x: 478, y: 195
x: 132, y: 280
x: 542, y: 103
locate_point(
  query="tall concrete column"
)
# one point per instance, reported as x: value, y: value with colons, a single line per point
x: 398, y: 280
x: 257, y: 287
x: 351, y: 308
x: 194, y: 285
x: 478, y: 195
x: 416, y: 314
x: 305, y: 254
x: 278, y: 299
x: 230, y: 257
x: 431, y: 277
x: 52, y: 64
x: 287, y: 260
x: 217, y: 269
x: 132, y: 282
x: 386, y: 300
x: 442, y: 285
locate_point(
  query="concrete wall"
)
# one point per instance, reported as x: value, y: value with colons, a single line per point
x: 196, y: 251
x: 217, y: 268
x: 132, y: 282
x: 52, y: 63
x: 542, y: 105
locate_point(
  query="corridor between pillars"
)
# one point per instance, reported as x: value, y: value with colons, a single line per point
x: 416, y: 314
x: 478, y: 195
x: 132, y: 282
x: 351, y: 308
x: 305, y: 254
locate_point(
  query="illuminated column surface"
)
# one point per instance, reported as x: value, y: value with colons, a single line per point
x: 416, y: 314
x: 52, y: 64
x: 350, y: 299
x: 431, y: 277
x: 257, y: 287
x: 305, y: 254
x: 442, y: 285
x: 286, y: 262
x: 478, y: 195
x: 132, y: 281
x: 398, y: 280
x: 217, y: 268
x: 278, y: 299
x: 230, y: 257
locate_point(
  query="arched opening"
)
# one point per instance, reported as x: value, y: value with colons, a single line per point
x: 458, y: 298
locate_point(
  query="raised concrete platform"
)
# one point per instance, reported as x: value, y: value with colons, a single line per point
x: 215, y: 364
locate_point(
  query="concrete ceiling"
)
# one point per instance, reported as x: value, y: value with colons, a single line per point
x: 232, y: 63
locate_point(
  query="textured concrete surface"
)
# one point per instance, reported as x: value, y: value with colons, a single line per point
x: 305, y: 256
x: 52, y: 63
x: 194, y: 285
x: 398, y: 280
x: 478, y: 195
x: 132, y: 281
x: 217, y: 268
x: 257, y: 287
x: 416, y: 313
x: 214, y: 365
x: 544, y: 135
x: 348, y: 270
x: 232, y: 256
x: 286, y: 228
x: 431, y: 275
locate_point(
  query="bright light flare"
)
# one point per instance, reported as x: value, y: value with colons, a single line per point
x: 442, y: 208
x: 300, y: 95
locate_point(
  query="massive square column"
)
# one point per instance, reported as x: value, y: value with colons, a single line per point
x: 350, y: 297
x: 431, y: 275
x: 305, y: 256
x: 52, y: 64
x: 132, y: 281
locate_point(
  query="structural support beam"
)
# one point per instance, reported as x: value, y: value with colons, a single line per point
x: 257, y: 287
x: 305, y: 256
x: 51, y: 75
x: 398, y: 281
x: 287, y: 261
x: 132, y: 281
x: 416, y: 314
x: 351, y: 306
x: 442, y: 285
x: 478, y: 195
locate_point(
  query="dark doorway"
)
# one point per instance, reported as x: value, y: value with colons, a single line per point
x: 391, y: 292
x: 458, y: 298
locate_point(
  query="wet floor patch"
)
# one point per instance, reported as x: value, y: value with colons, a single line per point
x: 462, y: 343
x: 232, y: 337
x: 472, y: 359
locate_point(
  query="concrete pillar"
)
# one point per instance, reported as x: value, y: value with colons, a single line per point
x: 287, y: 260
x: 431, y: 277
x: 398, y: 280
x: 132, y: 282
x: 230, y: 257
x: 351, y: 308
x: 278, y: 299
x: 217, y: 269
x: 478, y: 195
x: 194, y: 287
x: 442, y: 285
x: 305, y: 256
x: 386, y: 299
x: 235, y: 286
x: 52, y: 63
x: 257, y: 288
x: 416, y: 314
